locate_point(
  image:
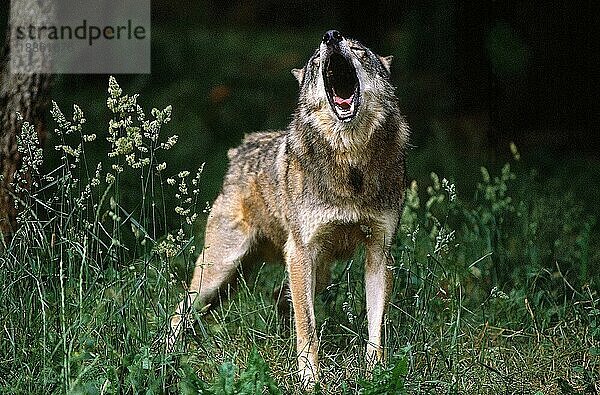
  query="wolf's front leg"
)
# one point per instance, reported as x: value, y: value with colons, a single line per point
x: 301, y: 268
x: 378, y: 286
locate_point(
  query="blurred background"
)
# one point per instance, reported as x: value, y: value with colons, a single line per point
x: 471, y: 78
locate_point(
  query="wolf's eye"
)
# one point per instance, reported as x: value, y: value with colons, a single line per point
x: 360, y: 52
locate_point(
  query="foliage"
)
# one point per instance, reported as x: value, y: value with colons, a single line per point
x: 255, y: 379
x: 387, y: 380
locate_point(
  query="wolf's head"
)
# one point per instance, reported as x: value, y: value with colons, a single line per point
x: 344, y: 87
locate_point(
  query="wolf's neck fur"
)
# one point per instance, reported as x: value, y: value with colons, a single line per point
x: 375, y: 132
x: 370, y: 175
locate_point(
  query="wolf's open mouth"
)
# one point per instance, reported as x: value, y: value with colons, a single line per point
x: 342, y: 86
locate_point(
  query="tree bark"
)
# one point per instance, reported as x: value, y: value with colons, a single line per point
x: 25, y: 93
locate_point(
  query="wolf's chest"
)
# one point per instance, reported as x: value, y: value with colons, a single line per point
x: 350, y: 223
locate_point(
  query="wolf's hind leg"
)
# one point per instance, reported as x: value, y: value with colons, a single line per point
x: 228, y: 239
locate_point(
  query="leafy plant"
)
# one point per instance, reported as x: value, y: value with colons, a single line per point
x: 254, y: 380
x: 387, y: 380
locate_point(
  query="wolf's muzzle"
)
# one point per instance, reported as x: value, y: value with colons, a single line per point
x: 340, y: 78
x: 332, y: 37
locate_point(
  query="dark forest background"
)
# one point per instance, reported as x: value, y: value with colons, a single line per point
x: 471, y: 77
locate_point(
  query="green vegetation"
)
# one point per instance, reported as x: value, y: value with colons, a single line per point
x: 496, y: 293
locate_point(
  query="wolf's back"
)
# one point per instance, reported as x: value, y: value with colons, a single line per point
x: 256, y: 155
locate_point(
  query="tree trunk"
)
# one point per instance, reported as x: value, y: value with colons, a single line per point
x: 25, y: 93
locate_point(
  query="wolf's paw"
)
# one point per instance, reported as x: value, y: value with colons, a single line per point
x: 176, y: 324
x: 308, y: 371
x: 373, y: 357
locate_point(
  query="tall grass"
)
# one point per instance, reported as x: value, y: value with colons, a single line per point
x: 497, y: 293
x: 87, y: 273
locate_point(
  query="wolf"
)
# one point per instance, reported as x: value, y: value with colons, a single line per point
x: 333, y: 180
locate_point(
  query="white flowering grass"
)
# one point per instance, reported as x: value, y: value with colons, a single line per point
x: 77, y: 224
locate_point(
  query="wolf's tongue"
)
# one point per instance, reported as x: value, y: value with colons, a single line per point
x: 343, y: 103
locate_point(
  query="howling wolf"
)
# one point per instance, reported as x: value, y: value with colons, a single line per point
x: 333, y: 180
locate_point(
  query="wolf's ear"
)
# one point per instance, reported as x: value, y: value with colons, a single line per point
x: 387, y: 62
x: 299, y: 74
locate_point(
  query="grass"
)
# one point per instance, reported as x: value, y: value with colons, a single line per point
x: 495, y: 293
